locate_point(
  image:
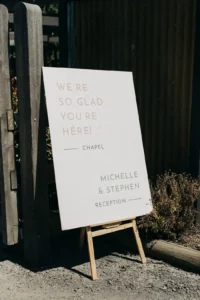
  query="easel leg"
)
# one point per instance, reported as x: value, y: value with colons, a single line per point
x: 139, y: 243
x: 82, y: 237
x: 91, y: 253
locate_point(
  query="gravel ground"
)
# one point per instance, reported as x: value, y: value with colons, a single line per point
x: 190, y: 239
x: 121, y: 276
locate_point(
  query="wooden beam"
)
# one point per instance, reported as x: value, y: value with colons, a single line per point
x: 46, y: 20
x: 7, y: 154
x: 41, y: 2
x: 183, y: 257
x: 46, y: 38
x: 180, y: 256
x: 32, y: 126
x: 11, y: 3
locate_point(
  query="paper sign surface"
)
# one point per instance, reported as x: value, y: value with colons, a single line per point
x: 97, y: 147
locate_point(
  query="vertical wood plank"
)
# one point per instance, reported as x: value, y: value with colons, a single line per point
x: 141, y: 66
x: 169, y: 85
x: 32, y: 127
x: 189, y: 67
x: 163, y: 82
x: 147, y: 78
x: 93, y: 35
x: 7, y: 156
x: 82, y: 237
x: 10, y: 120
x: 91, y: 253
x: 195, y: 109
x: 63, y: 34
x: 155, y: 85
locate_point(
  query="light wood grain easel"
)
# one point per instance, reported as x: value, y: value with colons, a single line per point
x: 105, y: 229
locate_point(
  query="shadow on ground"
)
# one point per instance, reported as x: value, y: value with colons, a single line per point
x: 65, y: 251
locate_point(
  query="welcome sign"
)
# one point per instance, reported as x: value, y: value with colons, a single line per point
x: 97, y: 146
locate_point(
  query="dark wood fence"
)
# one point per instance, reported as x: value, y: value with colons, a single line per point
x: 155, y: 40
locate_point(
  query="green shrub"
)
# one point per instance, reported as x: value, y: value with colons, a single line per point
x: 173, y: 197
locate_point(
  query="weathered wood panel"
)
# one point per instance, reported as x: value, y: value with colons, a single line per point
x: 9, y: 209
x: 32, y: 127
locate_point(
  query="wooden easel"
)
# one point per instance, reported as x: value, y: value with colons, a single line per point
x: 108, y: 228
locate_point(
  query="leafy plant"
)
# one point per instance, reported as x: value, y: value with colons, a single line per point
x: 51, y: 9
x: 16, y: 131
x: 48, y: 145
x: 173, y: 197
x: 15, y: 111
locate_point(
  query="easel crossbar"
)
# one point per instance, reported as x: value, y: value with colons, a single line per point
x: 111, y: 222
x: 111, y: 230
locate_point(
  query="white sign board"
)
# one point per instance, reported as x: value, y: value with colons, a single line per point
x: 97, y: 147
